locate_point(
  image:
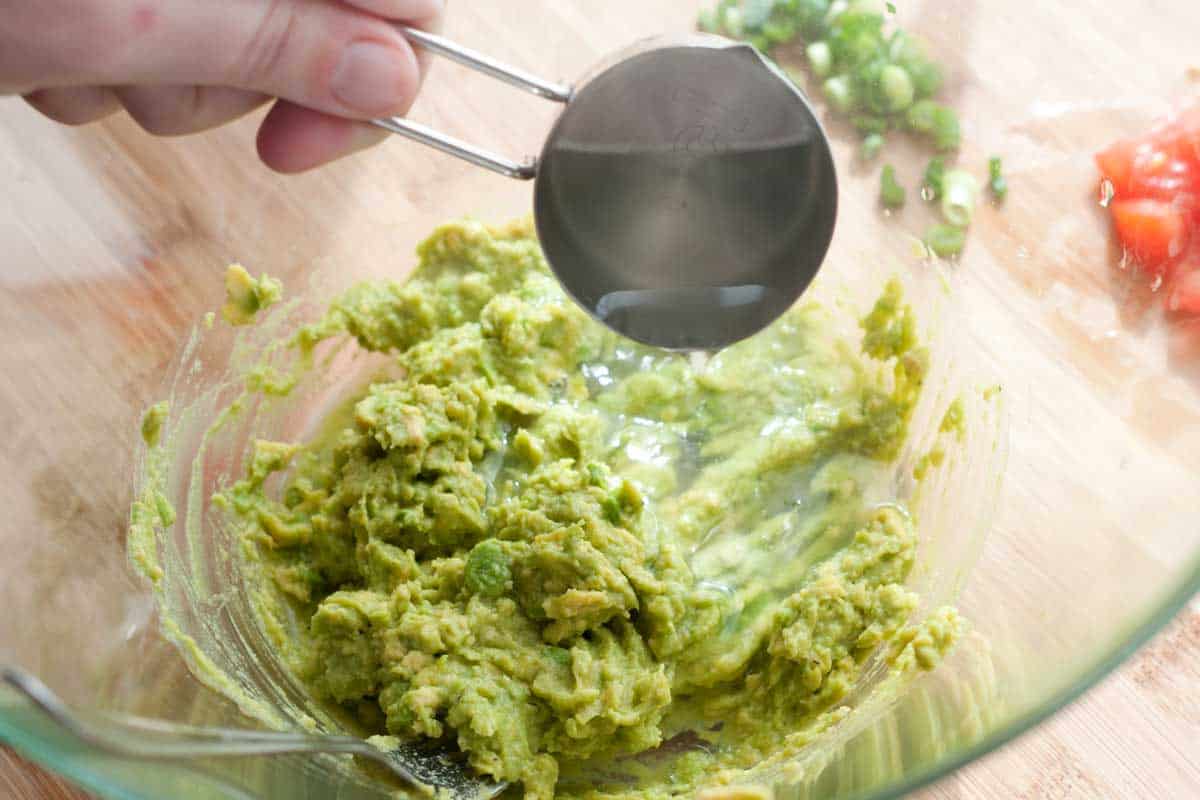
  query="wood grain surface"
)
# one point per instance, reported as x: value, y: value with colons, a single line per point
x: 132, y: 233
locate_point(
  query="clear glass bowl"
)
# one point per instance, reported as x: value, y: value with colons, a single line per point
x: 1064, y: 560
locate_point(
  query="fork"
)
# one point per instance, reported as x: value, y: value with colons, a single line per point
x: 140, y: 738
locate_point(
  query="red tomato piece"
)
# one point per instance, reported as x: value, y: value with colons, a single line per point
x: 1162, y: 164
x: 1156, y: 204
x: 1155, y: 232
x: 1157, y: 175
x: 1184, y: 297
x: 1116, y: 164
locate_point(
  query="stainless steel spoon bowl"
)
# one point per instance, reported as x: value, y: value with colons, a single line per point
x: 686, y: 196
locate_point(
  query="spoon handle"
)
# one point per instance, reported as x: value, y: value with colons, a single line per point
x: 487, y: 66
x: 144, y: 739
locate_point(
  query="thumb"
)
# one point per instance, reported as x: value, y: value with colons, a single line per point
x: 324, y: 55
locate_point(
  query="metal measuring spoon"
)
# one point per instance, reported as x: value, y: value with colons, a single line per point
x: 686, y: 196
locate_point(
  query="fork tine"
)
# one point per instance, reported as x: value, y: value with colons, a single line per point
x: 150, y: 739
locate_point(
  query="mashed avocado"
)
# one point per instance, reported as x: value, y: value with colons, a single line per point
x: 954, y: 421
x: 558, y: 549
x: 245, y: 295
x: 152, y: 422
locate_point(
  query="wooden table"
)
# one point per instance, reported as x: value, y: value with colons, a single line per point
x: 1137, y: 734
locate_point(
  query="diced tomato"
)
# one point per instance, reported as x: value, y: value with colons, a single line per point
x: 1184, y: 295
x: 1156, y: 202
x: 1155, y: 232
x: 1145, y: 169
x: 1116, y: 164
x: 1163, y: 178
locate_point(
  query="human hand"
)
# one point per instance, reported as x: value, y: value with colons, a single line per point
x: 182, y: 66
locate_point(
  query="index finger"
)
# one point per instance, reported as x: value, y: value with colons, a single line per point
x: 423, y: 14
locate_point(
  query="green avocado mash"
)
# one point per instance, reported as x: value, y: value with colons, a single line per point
x: 152, y: 422
x: 558, y: 549
x: 245, y: 296
x: 954, y: 421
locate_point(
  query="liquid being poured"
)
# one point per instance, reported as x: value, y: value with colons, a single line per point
x: 657, y: 314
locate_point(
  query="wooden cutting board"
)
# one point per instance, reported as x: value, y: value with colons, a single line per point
x: 177, y: 210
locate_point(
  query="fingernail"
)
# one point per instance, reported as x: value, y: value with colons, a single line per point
x: 370, y: 78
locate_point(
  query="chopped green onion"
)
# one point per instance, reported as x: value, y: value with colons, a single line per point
x: 997, y: 183
x: 780, y: 31
x: 939, y: 122
x: 733, y: 22
x: 869, y: 123
x: 872, y: 144
x: 836, y: 9
x: 959, y: 190
x: 920, y: 116
x: 840, y: 93
x: 811, y: 16
x: 934, y: 179
x: 867, y: 84
x: 897, y: 87
x: 926, y: 77
x: 905, y: 51
x: 869, y: 69
x: 947, y: 135
x: 856, y: 39
x: 946, y: 241
x: 891, y: 193
x: 755, y: 13
x: 820, y: 58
